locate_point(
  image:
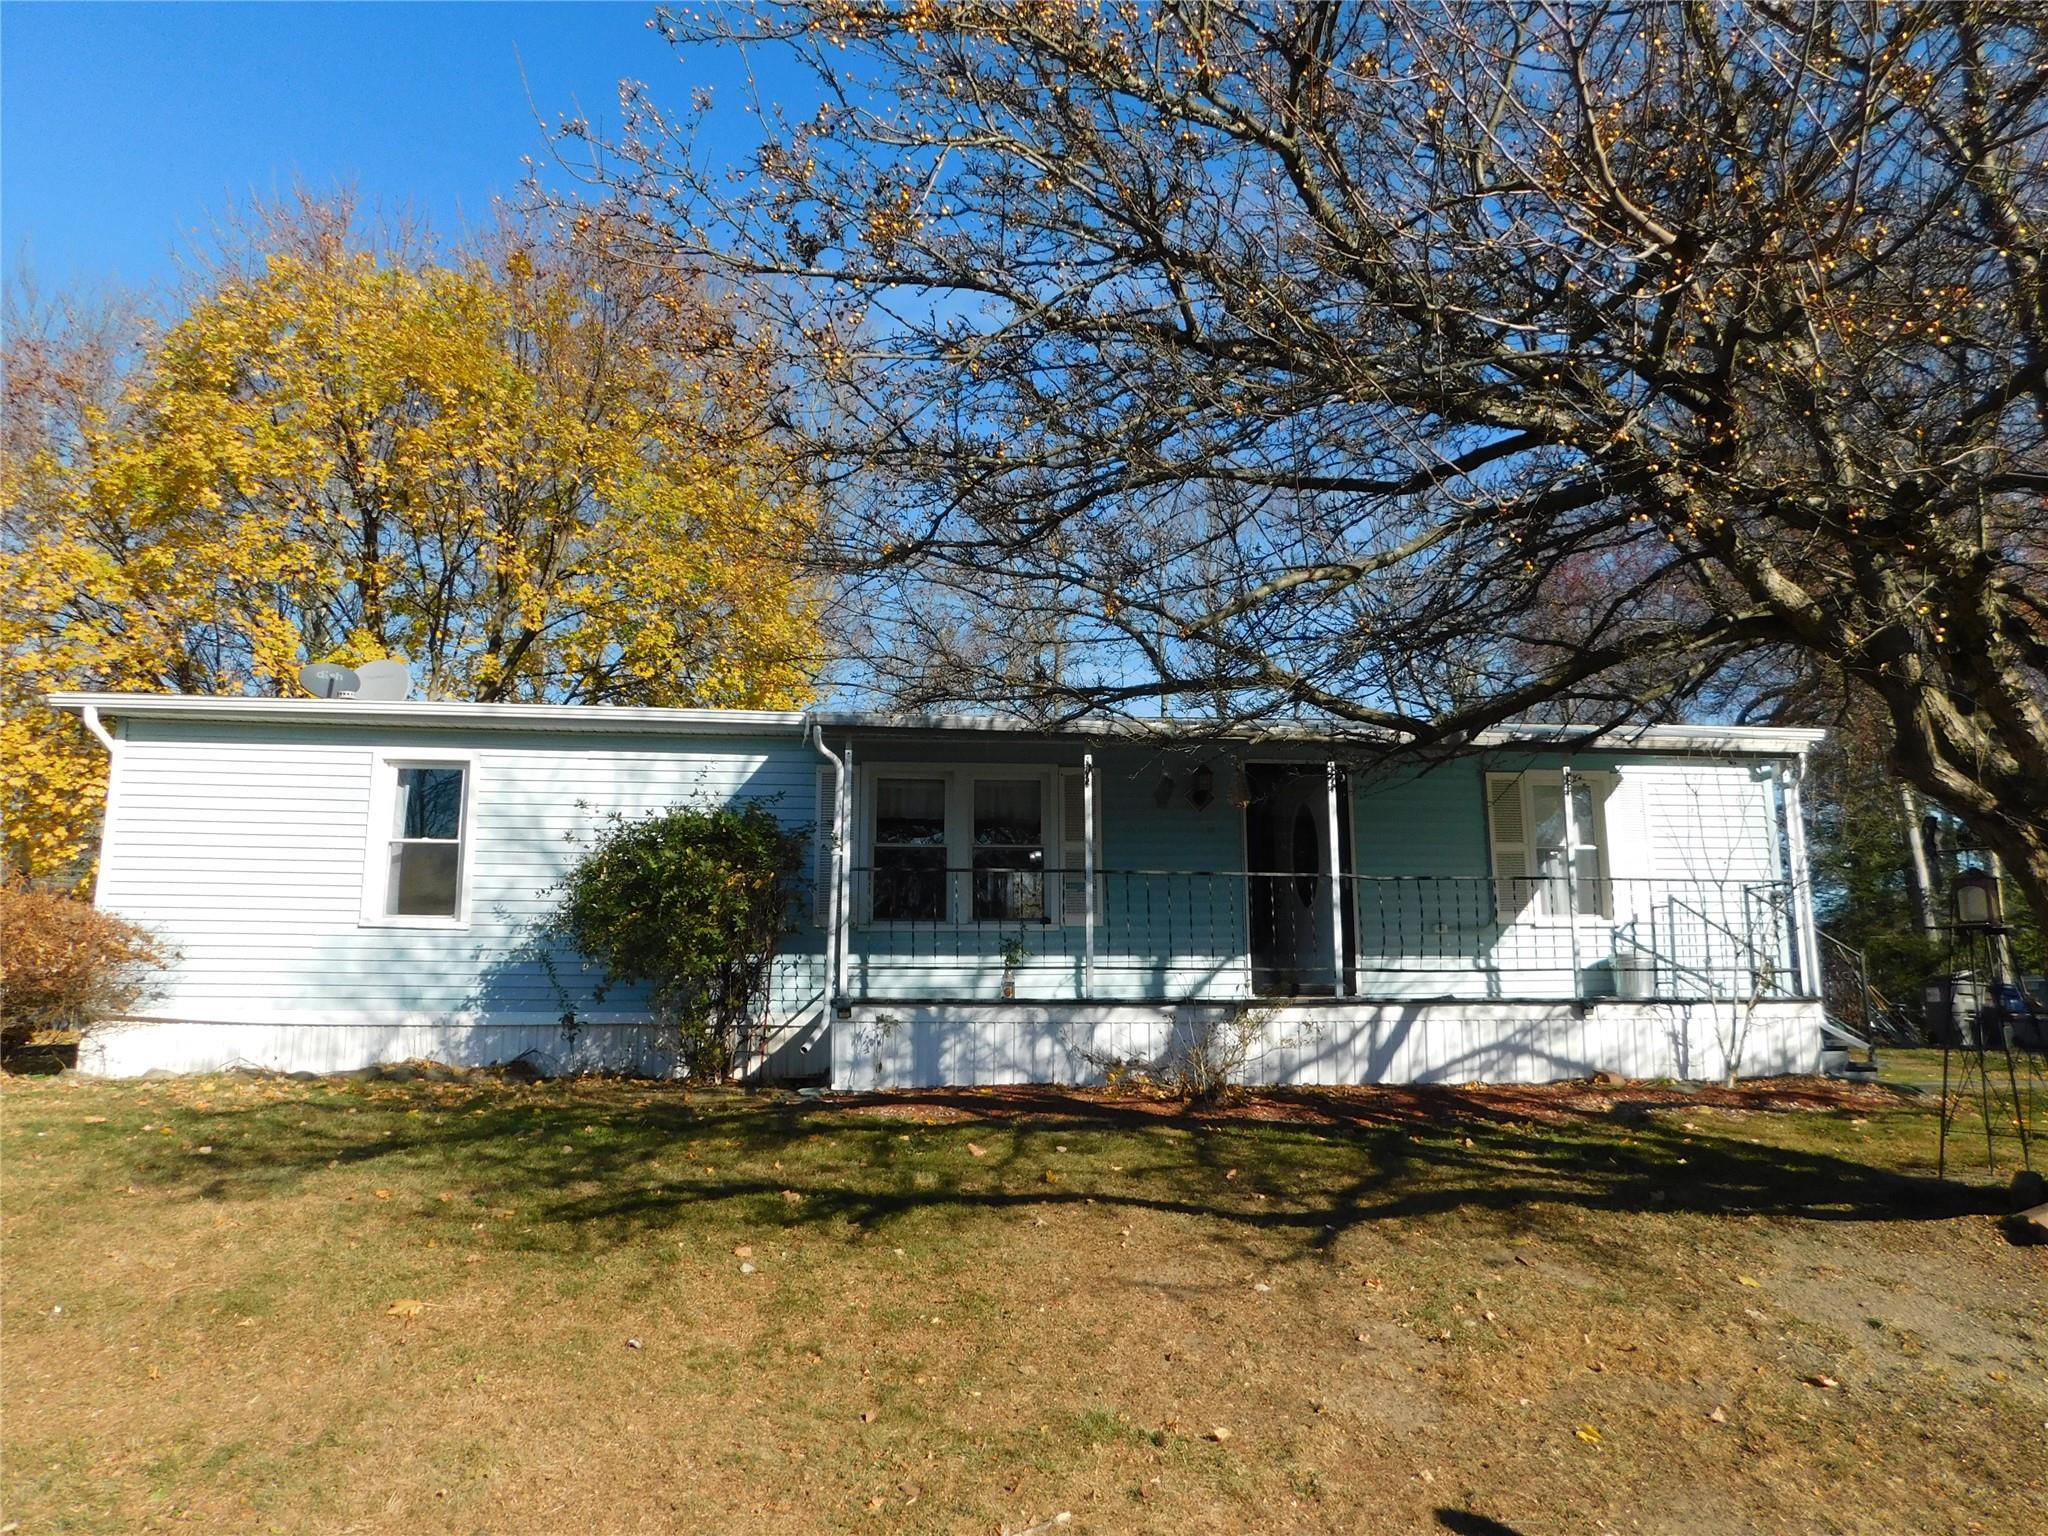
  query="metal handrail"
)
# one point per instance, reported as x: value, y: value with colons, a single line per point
x: 1152, y: 933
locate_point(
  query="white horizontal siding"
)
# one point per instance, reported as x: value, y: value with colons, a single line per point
x: 248, y: 858
x: 1706, y: 821
x: 244, y: 847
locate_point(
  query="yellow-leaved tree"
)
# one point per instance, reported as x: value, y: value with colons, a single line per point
x: 532, y: 473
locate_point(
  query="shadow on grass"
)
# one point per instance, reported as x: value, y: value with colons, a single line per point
x: 587, y: 1165
x: 1465, y: 1523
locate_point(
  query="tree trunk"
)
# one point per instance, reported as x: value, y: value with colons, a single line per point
x: 1919, y: 876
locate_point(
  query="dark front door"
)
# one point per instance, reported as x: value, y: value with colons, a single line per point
x: 1287, y: 847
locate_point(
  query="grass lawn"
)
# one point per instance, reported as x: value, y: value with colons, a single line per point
x: 242, y: 1304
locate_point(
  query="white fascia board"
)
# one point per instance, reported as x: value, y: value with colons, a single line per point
x: 434, y: 714
x: 1746, y: 740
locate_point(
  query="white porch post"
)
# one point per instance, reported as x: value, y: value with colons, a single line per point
x: 1805, y: 947
x: 1340, y: 975
x: 1088, y: 875
x: 843, y: 907
x: 1571, y: 877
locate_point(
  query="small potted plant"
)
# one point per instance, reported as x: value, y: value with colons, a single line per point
x: 1015, y: 951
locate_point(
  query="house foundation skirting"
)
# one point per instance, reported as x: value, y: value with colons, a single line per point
x: 1328, y: 1043
x: 964, y: 1044
x: 311, y: 1041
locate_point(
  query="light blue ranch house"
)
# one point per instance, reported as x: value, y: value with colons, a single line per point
x: 350, y: 882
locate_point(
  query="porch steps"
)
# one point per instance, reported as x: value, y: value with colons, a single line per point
x: 1835, y: 1061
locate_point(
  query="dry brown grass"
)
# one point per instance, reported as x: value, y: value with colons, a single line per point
x: 1560, y: 1310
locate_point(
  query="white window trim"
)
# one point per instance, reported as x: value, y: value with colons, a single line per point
x: 1603, y: 783
x: 384, y: 768
x: 959, y: 779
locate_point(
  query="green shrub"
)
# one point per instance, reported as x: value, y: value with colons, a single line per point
x: 64, y: 964
x: 692, y: 902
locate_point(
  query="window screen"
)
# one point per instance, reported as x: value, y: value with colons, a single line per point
x: 425, y: 844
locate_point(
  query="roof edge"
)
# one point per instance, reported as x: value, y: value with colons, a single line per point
x: 617, y: 719
x: 600, y: 718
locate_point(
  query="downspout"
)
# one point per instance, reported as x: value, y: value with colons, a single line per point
x: 833, y: 990
x: 90, y: 714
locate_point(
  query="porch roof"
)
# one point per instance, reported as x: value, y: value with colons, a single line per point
x: 1738, y: 740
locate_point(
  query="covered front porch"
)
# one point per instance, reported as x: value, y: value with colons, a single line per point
x: 1015, y: 869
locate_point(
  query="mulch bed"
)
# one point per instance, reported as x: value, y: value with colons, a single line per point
x: 1419, y: 1104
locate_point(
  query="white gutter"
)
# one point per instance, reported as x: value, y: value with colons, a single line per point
x: 434, y: 714
x: 833, y: 989
x: 1739, y: 740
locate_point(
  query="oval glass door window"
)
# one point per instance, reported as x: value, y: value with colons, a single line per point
x: 1308, y: 854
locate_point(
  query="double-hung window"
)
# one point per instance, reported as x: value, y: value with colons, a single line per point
x: 1534, y: 843
x: 418, y: 855
x: 953, y: 846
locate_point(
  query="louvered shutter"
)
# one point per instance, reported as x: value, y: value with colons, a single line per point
x: 821, y: 844
x: 1073, y: 848
x: 1507, y: 832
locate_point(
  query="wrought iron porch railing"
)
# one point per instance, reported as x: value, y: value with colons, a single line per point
x: 927, y: 931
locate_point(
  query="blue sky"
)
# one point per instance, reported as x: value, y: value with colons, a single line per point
x: 126, y: 128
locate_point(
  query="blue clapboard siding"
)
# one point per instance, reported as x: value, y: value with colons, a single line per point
x: 244, y: 845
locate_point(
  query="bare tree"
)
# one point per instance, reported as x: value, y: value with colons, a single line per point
x: 1417, y: 366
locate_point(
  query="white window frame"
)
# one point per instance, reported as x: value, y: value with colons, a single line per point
x: 1602, y: 784
x: 384, y: 767
x: 959, y: 780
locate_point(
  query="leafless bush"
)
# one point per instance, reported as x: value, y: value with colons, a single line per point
x: 1206, y: 1061
x: 68, y: 965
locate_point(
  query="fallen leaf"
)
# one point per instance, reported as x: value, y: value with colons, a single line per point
x: 1219, y: 1434
x: 1051, y: 1177
x: 867, y: 1415
x: 976, y: 1151
x: 1719, y: 1415
x: 744, y: 1251
x: 1230, y: 1173
x: 1748, y: 1281
x: 791, y: 1196
x: 1825, y: 1382
x: 383, y: 1194
x: 1589, y: 1434
x: 405, y: 1307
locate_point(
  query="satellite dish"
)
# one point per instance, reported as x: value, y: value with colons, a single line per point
x: 324, y: 680
x: 384, y: 680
